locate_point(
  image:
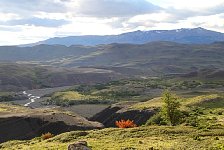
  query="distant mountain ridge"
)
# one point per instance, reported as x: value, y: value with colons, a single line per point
x: 185, y: 35
x: 153, y: 57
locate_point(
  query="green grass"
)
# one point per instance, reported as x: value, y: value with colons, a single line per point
x: 8, y: 108
x: 201, y: 100
x: 142, y: 138
x: 73, y: 95
x: 151, y: 104
x: 68, y: 98
x: 205, y: 101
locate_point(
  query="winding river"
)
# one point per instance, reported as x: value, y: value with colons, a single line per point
x: 31, y: 98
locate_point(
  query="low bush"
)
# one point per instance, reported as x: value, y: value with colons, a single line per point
x: 157, y: 119
x: 47, y: 136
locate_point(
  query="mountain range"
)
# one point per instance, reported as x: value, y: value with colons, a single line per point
x: 185, y: 35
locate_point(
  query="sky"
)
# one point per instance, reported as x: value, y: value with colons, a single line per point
x: 28, y: 21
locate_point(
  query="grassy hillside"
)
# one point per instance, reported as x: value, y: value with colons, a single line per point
x: 205, y: 111
x: 207, y: 134
x: 141, y: 138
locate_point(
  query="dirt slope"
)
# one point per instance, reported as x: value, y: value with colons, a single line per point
x: 119, y: 111
x: 18, y: 123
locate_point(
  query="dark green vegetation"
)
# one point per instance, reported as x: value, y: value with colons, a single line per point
x: 136, y: 90
x: 9, y: 96
x: 6, y: 96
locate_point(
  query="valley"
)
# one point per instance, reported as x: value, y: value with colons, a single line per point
x: 79, y: 92
x: 111, y: 75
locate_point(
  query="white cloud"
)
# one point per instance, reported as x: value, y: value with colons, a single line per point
x: 114, y: 8
x: 216, y: 23
x: 8, y: 16
x: 57, y: 16
x: 155, y: 17
x: 24, y: 34
x: 88, y: 26
x: 188, y: 4
x: 102, y: 17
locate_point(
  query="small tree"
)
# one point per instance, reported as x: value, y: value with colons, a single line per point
x: 171, y: 107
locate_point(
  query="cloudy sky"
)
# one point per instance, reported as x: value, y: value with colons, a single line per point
x: 27, y: 21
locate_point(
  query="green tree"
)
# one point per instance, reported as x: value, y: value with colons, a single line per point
x: 171, y: 107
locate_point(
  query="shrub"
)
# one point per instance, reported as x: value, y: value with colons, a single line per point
x: 47, y: 136
x: 220, y: 113
x: 216, y: 138
x: 125, y: 124
x: 192, y: 121
x: 156, y: 119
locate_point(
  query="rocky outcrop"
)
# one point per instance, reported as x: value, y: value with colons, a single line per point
x: 81, y: 145
x: 116, y: 112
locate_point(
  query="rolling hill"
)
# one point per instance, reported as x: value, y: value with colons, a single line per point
x: 17, y: 77
x: 150, y: 58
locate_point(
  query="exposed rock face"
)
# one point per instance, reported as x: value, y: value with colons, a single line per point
x: 81, y: 145
x: 116, y: 112
x: 27, y: 125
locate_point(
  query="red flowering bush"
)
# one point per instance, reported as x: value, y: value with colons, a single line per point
x: 125, y: 124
